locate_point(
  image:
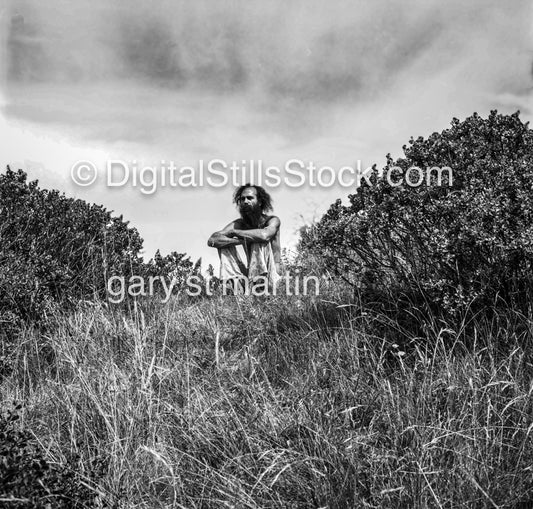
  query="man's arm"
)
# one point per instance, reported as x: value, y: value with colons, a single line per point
x: 265, y: 234
x: 224, y: 237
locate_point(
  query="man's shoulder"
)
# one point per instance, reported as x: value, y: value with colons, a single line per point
x: 269, y: 219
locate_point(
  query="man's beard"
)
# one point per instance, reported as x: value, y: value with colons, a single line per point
x: 251, y: 215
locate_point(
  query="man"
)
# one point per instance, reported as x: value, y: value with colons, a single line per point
x: 258, y: 233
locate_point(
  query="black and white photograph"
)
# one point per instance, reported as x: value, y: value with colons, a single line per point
x: 265, y: 254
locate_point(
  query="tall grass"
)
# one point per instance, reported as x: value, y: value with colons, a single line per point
x: 280, y: 402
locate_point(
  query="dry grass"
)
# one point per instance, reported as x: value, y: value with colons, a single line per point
x: 280, y: 402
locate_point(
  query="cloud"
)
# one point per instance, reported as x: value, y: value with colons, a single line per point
x: 302, y: 49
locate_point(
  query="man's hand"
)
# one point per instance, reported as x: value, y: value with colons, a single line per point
x: 225, y: 237
x: 220, y: 240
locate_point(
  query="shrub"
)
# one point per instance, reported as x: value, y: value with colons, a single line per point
x: 56, y: 250
x: 174, y: 266
x: 28, y: 480
x: 451, y: 247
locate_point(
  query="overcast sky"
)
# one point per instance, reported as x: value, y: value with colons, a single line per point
x: 331, y: 82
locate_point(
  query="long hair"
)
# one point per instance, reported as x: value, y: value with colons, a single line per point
x: 265, y: 200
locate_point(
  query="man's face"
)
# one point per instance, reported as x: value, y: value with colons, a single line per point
x: 248, y: 201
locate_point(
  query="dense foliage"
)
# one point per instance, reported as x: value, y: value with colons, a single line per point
x: 57, y: 250
x: 454, y: 247
x: 28, y: 480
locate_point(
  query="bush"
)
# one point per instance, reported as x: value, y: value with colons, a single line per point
x: 28, y: 480
x: 454, y: 247
x: 56, y: 251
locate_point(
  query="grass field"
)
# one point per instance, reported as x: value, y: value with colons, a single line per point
x: 279, y: 402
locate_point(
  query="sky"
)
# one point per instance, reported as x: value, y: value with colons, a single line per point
x: 181, y: 81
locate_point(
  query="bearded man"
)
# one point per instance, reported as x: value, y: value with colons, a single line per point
x: 258, y: 233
